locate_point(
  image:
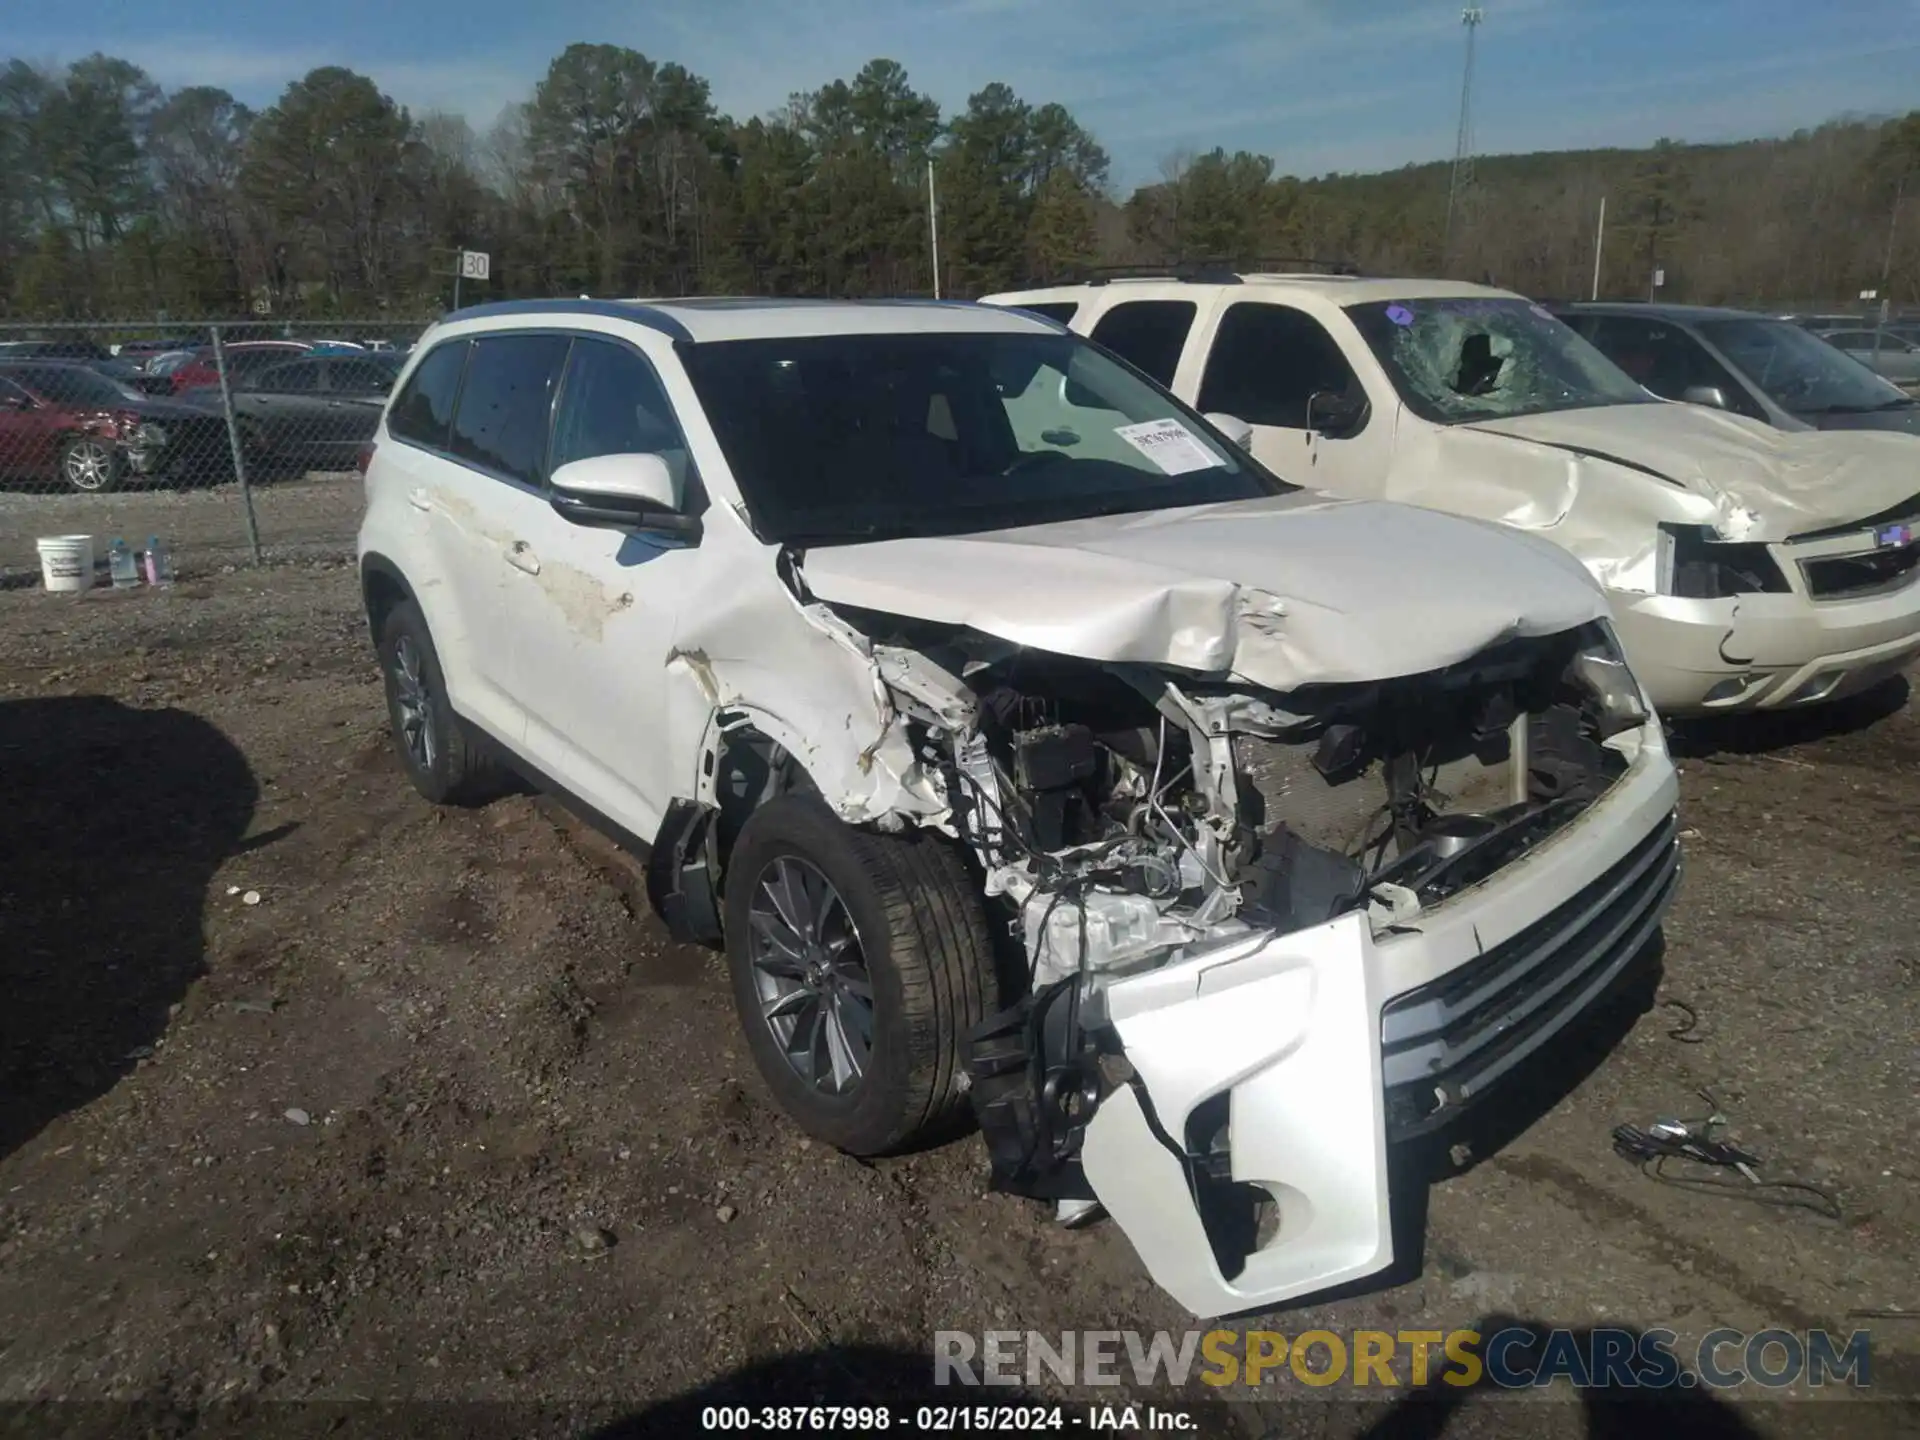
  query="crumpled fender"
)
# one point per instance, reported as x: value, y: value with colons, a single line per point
x: 1758, y: 483
x: 759, y: 656
x: 1606, y: 514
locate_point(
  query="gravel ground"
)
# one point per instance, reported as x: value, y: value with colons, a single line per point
x: 311, y: 517
x: 444, y: 1117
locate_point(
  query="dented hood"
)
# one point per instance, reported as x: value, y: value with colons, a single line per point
x: 1768, y: 484
x: 1281, y: 592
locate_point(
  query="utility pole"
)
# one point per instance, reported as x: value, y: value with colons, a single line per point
x: 1886, y: 268
x: 1463, y: 141
x: 933, y: 226
x: 1599, y: 243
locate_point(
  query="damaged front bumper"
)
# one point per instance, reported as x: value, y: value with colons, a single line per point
x: 1765, y: 652
x: 1321, y: 1046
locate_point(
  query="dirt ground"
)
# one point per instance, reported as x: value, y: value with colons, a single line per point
x: 443, y: 1117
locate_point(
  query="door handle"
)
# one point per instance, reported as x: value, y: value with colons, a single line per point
x: 520, y: 555
x: 420, y: 500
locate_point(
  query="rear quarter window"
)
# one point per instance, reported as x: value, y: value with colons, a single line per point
x: 1148, y: 334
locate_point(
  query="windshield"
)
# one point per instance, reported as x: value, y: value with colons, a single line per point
x: 855, y: 437
x: 73, y: 385
x: 1488, y: 358
x: 1801, y: 372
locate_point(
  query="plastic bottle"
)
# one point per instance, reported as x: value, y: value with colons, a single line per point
x: 121, y: 565
x: 159, y: 562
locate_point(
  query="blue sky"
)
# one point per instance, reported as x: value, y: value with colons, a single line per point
x: 1318, y: 84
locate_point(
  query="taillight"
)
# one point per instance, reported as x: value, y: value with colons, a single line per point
x: 365, y: 458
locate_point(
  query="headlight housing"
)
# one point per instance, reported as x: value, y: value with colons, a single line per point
x: 1601, y: 667
x: 1693, y: 565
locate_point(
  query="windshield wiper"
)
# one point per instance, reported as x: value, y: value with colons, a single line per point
x: 1903, y: 403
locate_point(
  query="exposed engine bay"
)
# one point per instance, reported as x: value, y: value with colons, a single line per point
x: 1125, y: 817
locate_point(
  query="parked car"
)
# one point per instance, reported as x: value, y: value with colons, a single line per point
x: 163, y: 363
x: 70, y: 348
x: 67, y: 423
x: 888, y: 629
x: 243, y: 358
x: 1749, y: 568
x: 1753, y: 365
x: 82, y: 352
x: 1883, y: 352
x: 141, y: 350
x: 311, y: 413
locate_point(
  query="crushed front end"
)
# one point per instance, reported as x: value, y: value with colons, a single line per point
x: 1258, y: 936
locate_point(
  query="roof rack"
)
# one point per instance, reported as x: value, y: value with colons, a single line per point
x: 1218, y: 270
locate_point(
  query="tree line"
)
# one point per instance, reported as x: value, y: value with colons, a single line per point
x: 619, y: 176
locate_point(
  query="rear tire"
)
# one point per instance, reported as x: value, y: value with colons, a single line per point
x: 445, y: 761
x: 897, y: 917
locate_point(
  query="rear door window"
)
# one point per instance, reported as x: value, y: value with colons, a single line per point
x: 500, y: 423
x: 1269, y: 361
x: 359, y: 377
x: 1147, y: 334
x: 300, y: 377
x: 424, y: 411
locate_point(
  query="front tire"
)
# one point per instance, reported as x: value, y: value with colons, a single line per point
x: 859, y: 963
x: 91, y: 465
x: 443, y: 760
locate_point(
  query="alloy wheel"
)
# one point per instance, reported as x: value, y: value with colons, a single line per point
x: 89, y: 465
x: 413, y: 702
x: 810, y: 972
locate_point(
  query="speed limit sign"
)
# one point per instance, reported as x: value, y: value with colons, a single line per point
x: 473, y: 264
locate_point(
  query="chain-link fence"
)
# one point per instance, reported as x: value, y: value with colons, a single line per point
x: 227, y: 441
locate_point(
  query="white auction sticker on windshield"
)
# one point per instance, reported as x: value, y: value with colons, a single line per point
x: 1169, y: 444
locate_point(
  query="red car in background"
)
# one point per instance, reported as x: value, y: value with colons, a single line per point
x: 70, y: 425
x: 244, y: 357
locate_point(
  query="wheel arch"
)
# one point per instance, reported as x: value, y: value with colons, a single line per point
x: 382, y: 587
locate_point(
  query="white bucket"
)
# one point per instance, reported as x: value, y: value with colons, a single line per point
x: 66, y: 561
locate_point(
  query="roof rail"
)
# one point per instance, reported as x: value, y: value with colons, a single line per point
x: 1216, y: 270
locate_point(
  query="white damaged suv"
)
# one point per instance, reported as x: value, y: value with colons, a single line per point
x: 1037, y: 756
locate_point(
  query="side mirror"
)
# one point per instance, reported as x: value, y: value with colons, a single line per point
x: 1711, y: 395
x: 1238, y: 431
x: 1335, y: 414
x: 622, y: 492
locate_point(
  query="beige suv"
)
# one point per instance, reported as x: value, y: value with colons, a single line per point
x: 1749, y: 568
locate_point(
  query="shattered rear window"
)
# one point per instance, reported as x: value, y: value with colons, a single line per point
x: 1469, y: 358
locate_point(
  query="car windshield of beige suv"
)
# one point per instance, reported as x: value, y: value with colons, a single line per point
x: 1458, y: 360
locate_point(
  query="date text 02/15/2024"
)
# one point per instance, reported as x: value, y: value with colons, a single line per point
x: 946, y: 1419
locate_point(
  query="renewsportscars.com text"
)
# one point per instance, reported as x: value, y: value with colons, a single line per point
x: 1516, y: 1357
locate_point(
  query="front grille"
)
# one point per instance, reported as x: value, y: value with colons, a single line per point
x: 1852, y: 576
x: 1444, y: 1044
x: 1906, y: 512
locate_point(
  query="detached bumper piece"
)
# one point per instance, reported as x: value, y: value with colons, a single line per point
x: 1445, y: 1044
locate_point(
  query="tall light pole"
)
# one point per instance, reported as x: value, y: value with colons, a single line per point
x: 933, y: 227
x: 1463, y: 141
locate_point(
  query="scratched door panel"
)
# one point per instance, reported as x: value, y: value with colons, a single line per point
x: 593, y: 611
